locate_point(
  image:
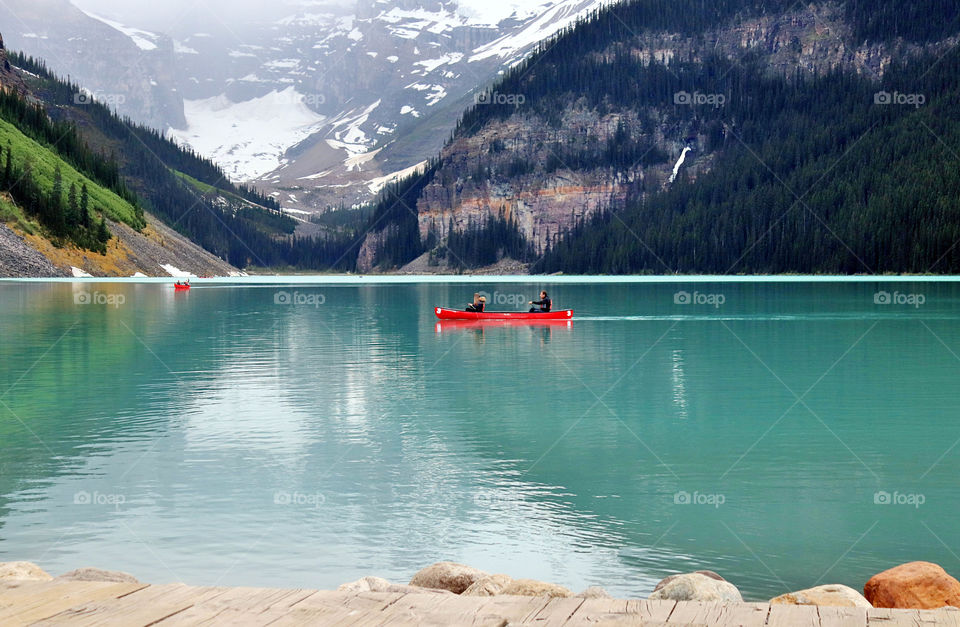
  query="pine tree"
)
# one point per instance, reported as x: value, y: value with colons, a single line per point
x: 54, y: 210
x: 84, y: 207
x: 103, y: 234
x: 8, y: 168
x: 73, y: 209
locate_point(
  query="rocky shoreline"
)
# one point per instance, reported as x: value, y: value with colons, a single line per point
x: 914, y: 585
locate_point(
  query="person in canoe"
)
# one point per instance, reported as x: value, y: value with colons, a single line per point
x: 544, y: 305
x: 478, y: 305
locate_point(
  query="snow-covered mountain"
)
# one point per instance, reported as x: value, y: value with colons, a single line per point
x: 325, y: 103
x: 321, y: 101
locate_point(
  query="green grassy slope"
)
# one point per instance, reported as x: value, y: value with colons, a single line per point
x: 44, y: 163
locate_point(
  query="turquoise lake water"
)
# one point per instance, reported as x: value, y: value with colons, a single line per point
x: 783, y: 434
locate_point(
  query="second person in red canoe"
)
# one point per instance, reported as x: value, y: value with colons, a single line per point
x: 544, y: 305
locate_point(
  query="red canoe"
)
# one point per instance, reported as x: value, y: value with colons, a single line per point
x: 180, y: 286
x: 452, y: 314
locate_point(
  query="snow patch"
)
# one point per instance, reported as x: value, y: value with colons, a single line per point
x: 356, y: 161
x: 447, y: 59
x: 176, y: 272
x: 181, y: 48
x: 347, y: 134
x: 144, y: 40
x: 248, y: 139
x: 492, y: 12
x: 549, y: 21
x: 375, y: 185
x: 79, y: 274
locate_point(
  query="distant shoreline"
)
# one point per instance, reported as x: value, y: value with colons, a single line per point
x: 570, y: 279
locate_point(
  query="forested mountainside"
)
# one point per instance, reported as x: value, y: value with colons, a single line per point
x: 705, y: 137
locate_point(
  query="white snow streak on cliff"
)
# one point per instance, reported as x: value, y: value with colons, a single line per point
x: 676, y: 166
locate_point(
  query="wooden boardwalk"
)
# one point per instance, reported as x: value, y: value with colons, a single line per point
x: 128, y: 604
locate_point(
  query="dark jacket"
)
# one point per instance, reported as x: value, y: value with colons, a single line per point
x: 545, y: 305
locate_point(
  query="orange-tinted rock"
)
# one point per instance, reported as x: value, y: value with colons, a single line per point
x: 915, y: 585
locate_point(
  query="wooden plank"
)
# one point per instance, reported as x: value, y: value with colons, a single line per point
x: 482, y: 611
x: 832, y: 616
x: 457, y: 610
x: 793, y: 616
x: 32, y: 603
x: 375, y: 601
x: 491, y: 610
x: 897, y: 618
x: 949, y: 618
x: 301, y: 616
x: 236, y: 603
x: 556, y: 612
x: 892, y: 618
x: 609, y: 610
x: 144, y: 607
x: 422, y: 608
x: 351, y: 609
x: 719, y: 613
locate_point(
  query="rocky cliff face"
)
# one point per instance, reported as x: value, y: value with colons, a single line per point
x: 483, y: 172
x: 10, y: 79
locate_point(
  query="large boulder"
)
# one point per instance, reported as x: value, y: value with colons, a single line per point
x: 829, y: 594
x: 378, y: 584
x: 95, y: 574
x: 915, y: 585
x: 447, y: 576
x: 22, y: 571
x: 488, y: 586
x: 533, y: 588
x: 703, y: 585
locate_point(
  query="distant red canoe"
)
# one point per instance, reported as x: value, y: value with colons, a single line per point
x: 180, y: 287
x: 452, y: 314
